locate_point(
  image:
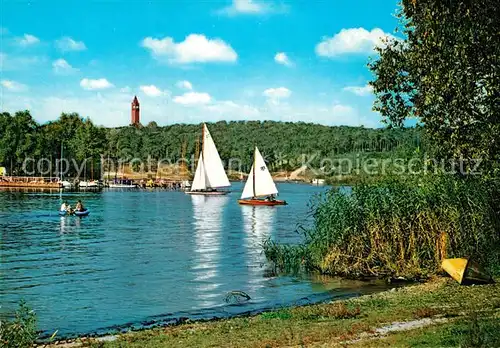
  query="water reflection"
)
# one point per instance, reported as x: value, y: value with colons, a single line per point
x: 63, y: 226
x: 207, y: 214
x: 140, y: 255
x: 258, y: 226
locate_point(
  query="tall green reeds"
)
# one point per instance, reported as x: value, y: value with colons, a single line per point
x: 398, y: 227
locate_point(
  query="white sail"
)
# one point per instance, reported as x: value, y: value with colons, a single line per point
x: 215, y: 173
x: 199, y: 181
x: 248, y: 189
x: 264, y: 184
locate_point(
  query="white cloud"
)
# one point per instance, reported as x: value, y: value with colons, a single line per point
x: 113, y: 109
x: 13, y: 86
x: 185, y: 85
x: 109, y: 110
x: 244, y: 7
x: 193, y: 98
x: 196, y: 48
x: 347, y: 115
x: 10, y: 63
x: 343, y: 110
x: 125, y: 89
x: 233, y: 110
x: 275, y: 95
x: 352, y: 41
x: 62, y: 67
x: 282, y: 58
x: 361, y: 91
x: 90, y: 84
x: 151, y: 91
x: 251, y: 7
x: 67, y: 44
x: 28, y: 40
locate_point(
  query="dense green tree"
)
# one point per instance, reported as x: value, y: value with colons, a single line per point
x: 18, y: 138
x: 446, y: 73
x: 282, y: 144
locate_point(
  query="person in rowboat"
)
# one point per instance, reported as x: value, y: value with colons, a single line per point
x: 64, y: 206
x: 67, y: 208
x: 79, y: 206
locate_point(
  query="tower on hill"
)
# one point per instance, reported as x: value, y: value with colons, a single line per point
x: 135, y: 111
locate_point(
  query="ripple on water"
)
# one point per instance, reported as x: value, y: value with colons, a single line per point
x: 140, y: 255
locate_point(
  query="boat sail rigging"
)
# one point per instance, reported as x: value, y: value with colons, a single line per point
x: 259, y: 184
x: 210, y: 174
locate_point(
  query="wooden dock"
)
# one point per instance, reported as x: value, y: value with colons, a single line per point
x: 35, y: 182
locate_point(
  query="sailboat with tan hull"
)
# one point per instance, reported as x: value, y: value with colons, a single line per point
x: 210, y: 175
x: 260, y: 188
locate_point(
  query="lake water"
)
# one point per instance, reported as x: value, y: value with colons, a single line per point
x: 147, y: 257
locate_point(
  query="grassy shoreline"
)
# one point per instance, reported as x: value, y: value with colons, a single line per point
x: 437, y: 313
x: 399, y: 226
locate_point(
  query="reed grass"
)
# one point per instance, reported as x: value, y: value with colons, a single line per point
x: 400, y: 226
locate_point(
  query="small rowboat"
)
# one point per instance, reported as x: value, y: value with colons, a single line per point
x: 261, y: 202
x: 82, y: 213
x: 466, y: 271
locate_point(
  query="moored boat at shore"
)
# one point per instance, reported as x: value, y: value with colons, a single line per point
x: 466, y: 271
x: 66, y: 184
x: 122, y: 184
x: 88, y: 184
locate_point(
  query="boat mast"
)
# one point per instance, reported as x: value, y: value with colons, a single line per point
x: 60, y: 162
x: 203, y: 141
x: 253, y: 172
x: 203, y: 146
x: 60, y: 173
x: 197, y: 152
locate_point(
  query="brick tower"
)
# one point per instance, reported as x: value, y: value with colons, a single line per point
x: 135, y: 111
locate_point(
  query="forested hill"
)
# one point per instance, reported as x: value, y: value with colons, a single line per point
x: 281, y: 143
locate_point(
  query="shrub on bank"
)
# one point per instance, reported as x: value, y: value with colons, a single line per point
x: 20, y: 332
x: 398, y: 227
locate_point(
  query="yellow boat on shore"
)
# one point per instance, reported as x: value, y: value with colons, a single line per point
x: 466, y: 271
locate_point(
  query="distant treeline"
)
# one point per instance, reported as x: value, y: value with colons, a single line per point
x: 283, y: 144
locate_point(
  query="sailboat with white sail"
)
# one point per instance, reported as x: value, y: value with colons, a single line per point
x: 210, y: 174
x: 260, y: 188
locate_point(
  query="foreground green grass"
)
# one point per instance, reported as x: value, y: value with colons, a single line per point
x: 469, y: 332
x: 471, y: 314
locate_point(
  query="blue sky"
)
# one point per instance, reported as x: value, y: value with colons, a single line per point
x: 191, y: 61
